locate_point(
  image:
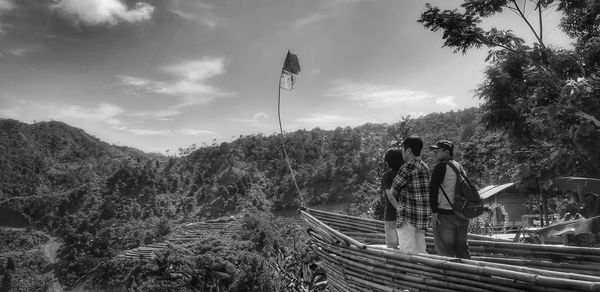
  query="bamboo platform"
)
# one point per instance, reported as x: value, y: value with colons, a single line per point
x: 356, y: 259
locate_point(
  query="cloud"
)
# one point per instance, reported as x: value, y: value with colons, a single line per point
x: 447, y: 101
x: 324, y: 121
x: 315, y: 17
x: 6, y: 5
x: 375, y: 95
x: 259, y: 116
x: 189, y: 84
x: 198, y: 70
x: 196, y: 11
x: 328, y: 9
x: 168, y: 132
x: 257, y: 120
x: 99, y: 12
x: 142, y: 132
x: 104, y: 113
x: 195, y: 132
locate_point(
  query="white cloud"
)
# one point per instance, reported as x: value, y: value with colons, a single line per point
x: 190, y: 84
x: 7, y: 5
x: 257, y: 120
x: 198, y: 70
x: 324, y: 121
x: 376, y: 96
x: 104, y: 113
x: 259, y: 116
x: 197, y: 11
x: 329, y: 9
x: 145, y: 132
x: 447, y: 101
x: 168, y: 132
x: 195, y: 132
x: 315, y: 17
x: 97, y: 12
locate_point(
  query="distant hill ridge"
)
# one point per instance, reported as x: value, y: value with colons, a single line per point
x: 331, y: 166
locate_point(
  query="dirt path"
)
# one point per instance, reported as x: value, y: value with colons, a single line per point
x: 50, y: 249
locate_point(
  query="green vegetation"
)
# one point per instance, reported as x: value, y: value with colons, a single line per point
x: 540, y: 119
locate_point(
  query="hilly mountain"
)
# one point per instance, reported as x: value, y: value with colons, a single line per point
x: 330, y: 166
x: 101, y: 199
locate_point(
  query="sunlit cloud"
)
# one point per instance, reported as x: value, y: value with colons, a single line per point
x: 328, y: 9
x: 196, y: 132
x: 102, y: 12
x: 169, y: 132
x: 261, y: 115
x: 196, y: 11
x: 189, y: 84
x: 375, y: 95
x: 142, y: 132
x: 6, y: 5
x: 258, y: 120
x: 105, y: 113
x: 323, y: 121
x: 447, y: 101
x: 314, y: 17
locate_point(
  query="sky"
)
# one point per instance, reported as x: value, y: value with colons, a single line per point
x: 160, y: 75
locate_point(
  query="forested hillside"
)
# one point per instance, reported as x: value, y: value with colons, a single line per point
x: 101, y: 199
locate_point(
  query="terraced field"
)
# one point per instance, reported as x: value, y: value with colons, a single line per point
x: 197, y: 231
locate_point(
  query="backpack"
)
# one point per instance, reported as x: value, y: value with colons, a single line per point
x: 467, y: 201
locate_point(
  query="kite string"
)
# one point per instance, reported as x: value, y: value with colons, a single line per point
x: 287, y: 159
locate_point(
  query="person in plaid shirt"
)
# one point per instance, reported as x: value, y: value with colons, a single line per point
x: 410, y: 196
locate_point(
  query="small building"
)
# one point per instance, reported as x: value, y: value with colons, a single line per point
x: 504, y: 200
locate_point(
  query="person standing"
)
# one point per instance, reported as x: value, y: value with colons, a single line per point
x: 449, y: 230
x: 410, y: 196
x: 393, y: 160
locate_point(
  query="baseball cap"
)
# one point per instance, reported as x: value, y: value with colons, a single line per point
x: 443, y: 144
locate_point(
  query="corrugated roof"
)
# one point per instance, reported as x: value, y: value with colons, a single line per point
x: 490, y: 191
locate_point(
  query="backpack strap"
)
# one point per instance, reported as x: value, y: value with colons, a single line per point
x: 458, y: 172
x: 447, y: 199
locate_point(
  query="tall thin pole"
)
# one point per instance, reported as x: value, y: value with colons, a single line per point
x: 287, y: 159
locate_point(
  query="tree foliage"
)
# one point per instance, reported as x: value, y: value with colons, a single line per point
x: 545, y: 98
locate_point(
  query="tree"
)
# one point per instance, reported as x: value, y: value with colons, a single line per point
x: 10, y: 264
x: 544, y: 98
x: 6, y: 281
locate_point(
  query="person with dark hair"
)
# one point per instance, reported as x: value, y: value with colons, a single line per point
x: 393, y: 160
x: 410, y: 196
x: 449, y: 230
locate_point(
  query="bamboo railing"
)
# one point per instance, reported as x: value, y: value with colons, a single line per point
x: 353, y: 263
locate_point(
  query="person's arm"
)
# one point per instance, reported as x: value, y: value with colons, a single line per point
x: 437, y: 177
x: 400, y: 182
x: 391, y: 198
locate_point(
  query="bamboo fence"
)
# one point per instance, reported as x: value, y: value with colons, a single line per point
x: 356, y: 259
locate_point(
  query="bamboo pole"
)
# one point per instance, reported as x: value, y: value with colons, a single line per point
x: 422, y: 270
x: 445, y: 275
x: 468, y: 267
x: 523, y: 263
x: 335, y: 232
x: 523, y: 277
x: 387, y: 276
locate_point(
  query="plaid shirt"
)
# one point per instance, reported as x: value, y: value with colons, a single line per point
x: 411, y: 189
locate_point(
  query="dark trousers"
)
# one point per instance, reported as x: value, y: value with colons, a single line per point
x: 450, y: 236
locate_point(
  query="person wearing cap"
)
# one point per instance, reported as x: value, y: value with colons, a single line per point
x: 449, y: 230
x: 393, y: 160
x: 410, y: 196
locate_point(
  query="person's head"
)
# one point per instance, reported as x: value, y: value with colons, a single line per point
x: 411, y: 147
x: 393, y: 158
x: 443, y: 149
